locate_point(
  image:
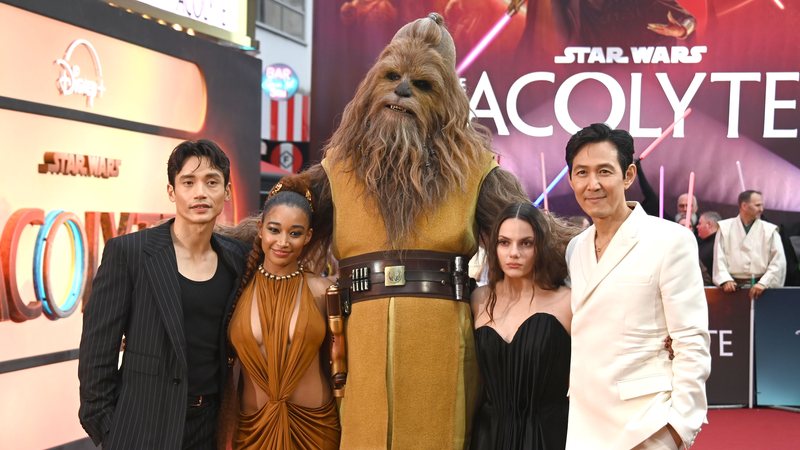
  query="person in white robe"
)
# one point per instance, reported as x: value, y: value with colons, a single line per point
x: 747, y: 250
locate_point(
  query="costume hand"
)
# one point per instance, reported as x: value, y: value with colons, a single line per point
x: 756, y: 291
x: 514, y: 6
x: 729, y: 286
x: 668, y: 346
x: 673, y: 28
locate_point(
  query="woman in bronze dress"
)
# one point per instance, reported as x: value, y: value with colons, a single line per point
x: 278, y: 331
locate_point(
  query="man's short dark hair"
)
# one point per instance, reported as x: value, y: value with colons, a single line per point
x: 600, y: 132
x: 202, y: 148
x: 744, y: 197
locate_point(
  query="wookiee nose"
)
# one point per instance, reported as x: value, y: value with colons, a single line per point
x: 403, y: 89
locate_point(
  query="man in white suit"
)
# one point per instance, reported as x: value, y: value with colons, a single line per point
x: 635, y: 280
x: 748, y: 250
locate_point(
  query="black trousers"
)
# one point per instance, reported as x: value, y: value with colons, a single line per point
x: 200, y: 429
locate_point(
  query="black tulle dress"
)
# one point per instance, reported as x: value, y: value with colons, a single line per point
x: 525, y: 381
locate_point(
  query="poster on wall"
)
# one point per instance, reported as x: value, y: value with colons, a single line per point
x: 537, y: 71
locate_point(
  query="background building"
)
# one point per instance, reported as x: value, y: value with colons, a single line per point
x: 283, y: 30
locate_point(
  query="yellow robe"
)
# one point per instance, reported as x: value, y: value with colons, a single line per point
x: 413, y: 374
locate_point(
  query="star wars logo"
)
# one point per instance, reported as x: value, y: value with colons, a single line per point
x: 639, y: 55
x: 83, y: 165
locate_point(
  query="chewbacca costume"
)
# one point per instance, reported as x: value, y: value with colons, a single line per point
x: 424, y: 346
x: 405, y: 172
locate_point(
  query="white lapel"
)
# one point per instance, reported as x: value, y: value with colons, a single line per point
x: 620, y: 245
x: 753, y: 237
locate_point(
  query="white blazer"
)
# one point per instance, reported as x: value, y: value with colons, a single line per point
x: 647, y: 285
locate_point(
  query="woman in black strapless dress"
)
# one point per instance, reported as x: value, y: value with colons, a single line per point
x: 522, y: 320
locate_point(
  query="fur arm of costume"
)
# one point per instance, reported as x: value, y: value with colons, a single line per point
x: 500, y: 188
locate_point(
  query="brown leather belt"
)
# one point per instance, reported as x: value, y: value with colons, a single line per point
x: 747, y: 282
x: 407, y: 273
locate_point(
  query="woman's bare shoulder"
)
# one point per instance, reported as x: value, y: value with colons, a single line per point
x: 561, y: 307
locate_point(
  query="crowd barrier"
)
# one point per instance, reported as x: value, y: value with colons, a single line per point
x: 755, y: 348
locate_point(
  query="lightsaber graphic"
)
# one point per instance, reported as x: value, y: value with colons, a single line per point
x: 664, y: 134
x: 544, y: 183
x: 734, y: 8
x: 741, y: 177
x: 551, y: 186
x: 661, y: 192
x: 689, y: 201
x: 483, y: 43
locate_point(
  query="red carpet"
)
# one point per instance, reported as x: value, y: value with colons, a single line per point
x: 750, y: 429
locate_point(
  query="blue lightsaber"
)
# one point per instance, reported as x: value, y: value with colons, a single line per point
x: 551, y: 186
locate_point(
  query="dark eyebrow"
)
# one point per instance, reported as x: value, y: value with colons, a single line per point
x: 599, y: 166
x: 290, y: 227
x: 500, y: 236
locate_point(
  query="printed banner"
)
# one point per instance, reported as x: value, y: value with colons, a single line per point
x: 729, y: 326
x: 777, y: 346
x: 551, y: 67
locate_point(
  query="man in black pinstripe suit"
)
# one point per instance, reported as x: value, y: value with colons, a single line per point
x: 169, y: 291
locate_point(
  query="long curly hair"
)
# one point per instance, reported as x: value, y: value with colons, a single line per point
x: 406, y: 135
x: 550, y: 238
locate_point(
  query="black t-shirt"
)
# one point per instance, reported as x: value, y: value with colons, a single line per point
x: 203, y: 308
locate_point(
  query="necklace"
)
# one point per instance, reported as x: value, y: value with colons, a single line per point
x: 272, y: 276
x: 599, y: 248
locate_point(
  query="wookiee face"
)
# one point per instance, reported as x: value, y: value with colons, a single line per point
x: 407, y: 90
x: 406, y: 133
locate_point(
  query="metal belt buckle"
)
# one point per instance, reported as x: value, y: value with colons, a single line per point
x: 394, y: 276
x: 360, y: 279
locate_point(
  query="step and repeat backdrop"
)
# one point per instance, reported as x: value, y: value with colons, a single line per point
x: 537, y: 71
x: 93, y: 99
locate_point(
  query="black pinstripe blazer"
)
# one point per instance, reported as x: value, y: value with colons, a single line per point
x: 141, y: 405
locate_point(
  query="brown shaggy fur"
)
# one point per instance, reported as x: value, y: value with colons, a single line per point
x: 409, y: 161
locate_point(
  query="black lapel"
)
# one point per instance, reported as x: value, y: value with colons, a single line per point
x: 231, y: 254
x: 234, y: 257
x: 161, y: 269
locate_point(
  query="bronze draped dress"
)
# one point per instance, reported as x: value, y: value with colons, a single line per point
x: 278, y: 369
